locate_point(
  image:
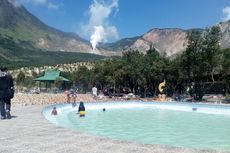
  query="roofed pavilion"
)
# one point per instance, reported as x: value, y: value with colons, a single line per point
x: 51, y: 76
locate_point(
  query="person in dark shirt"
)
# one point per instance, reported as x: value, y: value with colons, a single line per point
x: 6, y: 93
x: 81, y: 109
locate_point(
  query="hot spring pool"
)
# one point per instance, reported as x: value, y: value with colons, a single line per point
x: 176, y: 124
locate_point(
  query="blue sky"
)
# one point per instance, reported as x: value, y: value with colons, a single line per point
x: 129, y: 18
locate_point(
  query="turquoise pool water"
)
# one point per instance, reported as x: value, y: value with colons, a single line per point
x: 208, y: 127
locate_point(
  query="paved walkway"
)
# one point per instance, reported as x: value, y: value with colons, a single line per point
x: 29, y: 132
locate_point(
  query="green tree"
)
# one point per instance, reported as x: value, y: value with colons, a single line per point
x: 211, y: 51
x: 137, y: 71
x: 20, y: 79
x: 191, y: 59
x: 226, y: 69
x: 157, y: 70
x: 83, y: 78
x: 175, y: 76
x: 201, y: 58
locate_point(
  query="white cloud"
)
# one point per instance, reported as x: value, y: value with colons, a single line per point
x: 53, y: 6
x: 226, y: 12
x: 98, y: 26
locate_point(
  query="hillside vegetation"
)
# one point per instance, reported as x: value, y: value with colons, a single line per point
x: 16, y: 55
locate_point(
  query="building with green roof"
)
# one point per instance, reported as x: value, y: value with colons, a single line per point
x: 51, y: 76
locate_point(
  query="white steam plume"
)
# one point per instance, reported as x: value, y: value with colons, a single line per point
x: 98, y: 26
x: 98, y: 35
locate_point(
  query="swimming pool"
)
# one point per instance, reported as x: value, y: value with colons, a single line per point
x: 200, y: 126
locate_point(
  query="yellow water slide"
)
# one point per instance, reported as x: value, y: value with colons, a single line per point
x: 161, y: 86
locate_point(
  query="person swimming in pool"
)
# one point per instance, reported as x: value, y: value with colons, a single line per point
x: 81, y: 109
x: 54, y: 111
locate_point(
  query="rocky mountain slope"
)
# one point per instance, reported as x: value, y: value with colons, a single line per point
x: 26, y: 41
x: 225, y: 34
x: 167, y: 42
x: 23, y: 27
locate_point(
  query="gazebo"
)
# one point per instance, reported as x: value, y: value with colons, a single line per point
x: 50, y: 77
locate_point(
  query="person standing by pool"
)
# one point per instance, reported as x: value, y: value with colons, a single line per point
x: 81, y: 109
x: 71, y: 94
x: 6, y: 93
x: 67, y: 96
x: 94, y: 91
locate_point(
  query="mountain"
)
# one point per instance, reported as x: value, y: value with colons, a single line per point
x: 25, y: 41
x: 23, y: 27
x: 17, y: 55
x: 27, y: 33
x: 120, y: 45
x: 168, y: 42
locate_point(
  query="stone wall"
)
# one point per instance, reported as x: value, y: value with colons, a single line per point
x: 46, y: 99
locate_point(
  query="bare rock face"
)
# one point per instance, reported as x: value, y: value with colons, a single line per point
x: 225, y: 34
x: 141, y: 45
x: 66, y: 45
x: 167, y: 41
x: 43, y: 43
x: 73, y: 45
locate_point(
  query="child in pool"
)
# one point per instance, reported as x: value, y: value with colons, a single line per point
x: 54, y: 111
x: 81, y: 109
